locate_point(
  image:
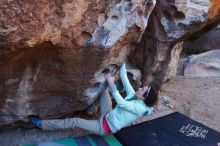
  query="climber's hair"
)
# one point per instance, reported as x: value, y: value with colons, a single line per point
x: 151, y: 97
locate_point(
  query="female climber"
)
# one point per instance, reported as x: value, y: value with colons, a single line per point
x: 126, y: 111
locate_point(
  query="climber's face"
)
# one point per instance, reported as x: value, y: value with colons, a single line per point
x: 140, y: 92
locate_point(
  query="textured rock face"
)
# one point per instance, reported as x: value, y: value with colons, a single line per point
x: 54, y: 54
x: 214, y: 11
x: 208, y: 41
x: 170, y: 23
x: 72, y: 23
x: 203, y: 65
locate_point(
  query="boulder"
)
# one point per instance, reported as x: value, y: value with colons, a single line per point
x: 170, y: 23
x: 214, y: 10
x: 203, y: 65
x: 54, y: 54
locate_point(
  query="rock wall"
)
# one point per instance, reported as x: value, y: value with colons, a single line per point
x: 208, y: 41
x: 214, y: 10
x: 170, y: 23
x: 205, y: 39
x: 54, y: 54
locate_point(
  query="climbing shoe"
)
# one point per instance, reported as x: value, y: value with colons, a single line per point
x: 35, y: 120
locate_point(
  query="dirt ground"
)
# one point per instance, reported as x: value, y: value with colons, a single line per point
x: 198, y: 98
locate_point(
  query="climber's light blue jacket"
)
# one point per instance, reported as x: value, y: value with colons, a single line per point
x: 125, y: 112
